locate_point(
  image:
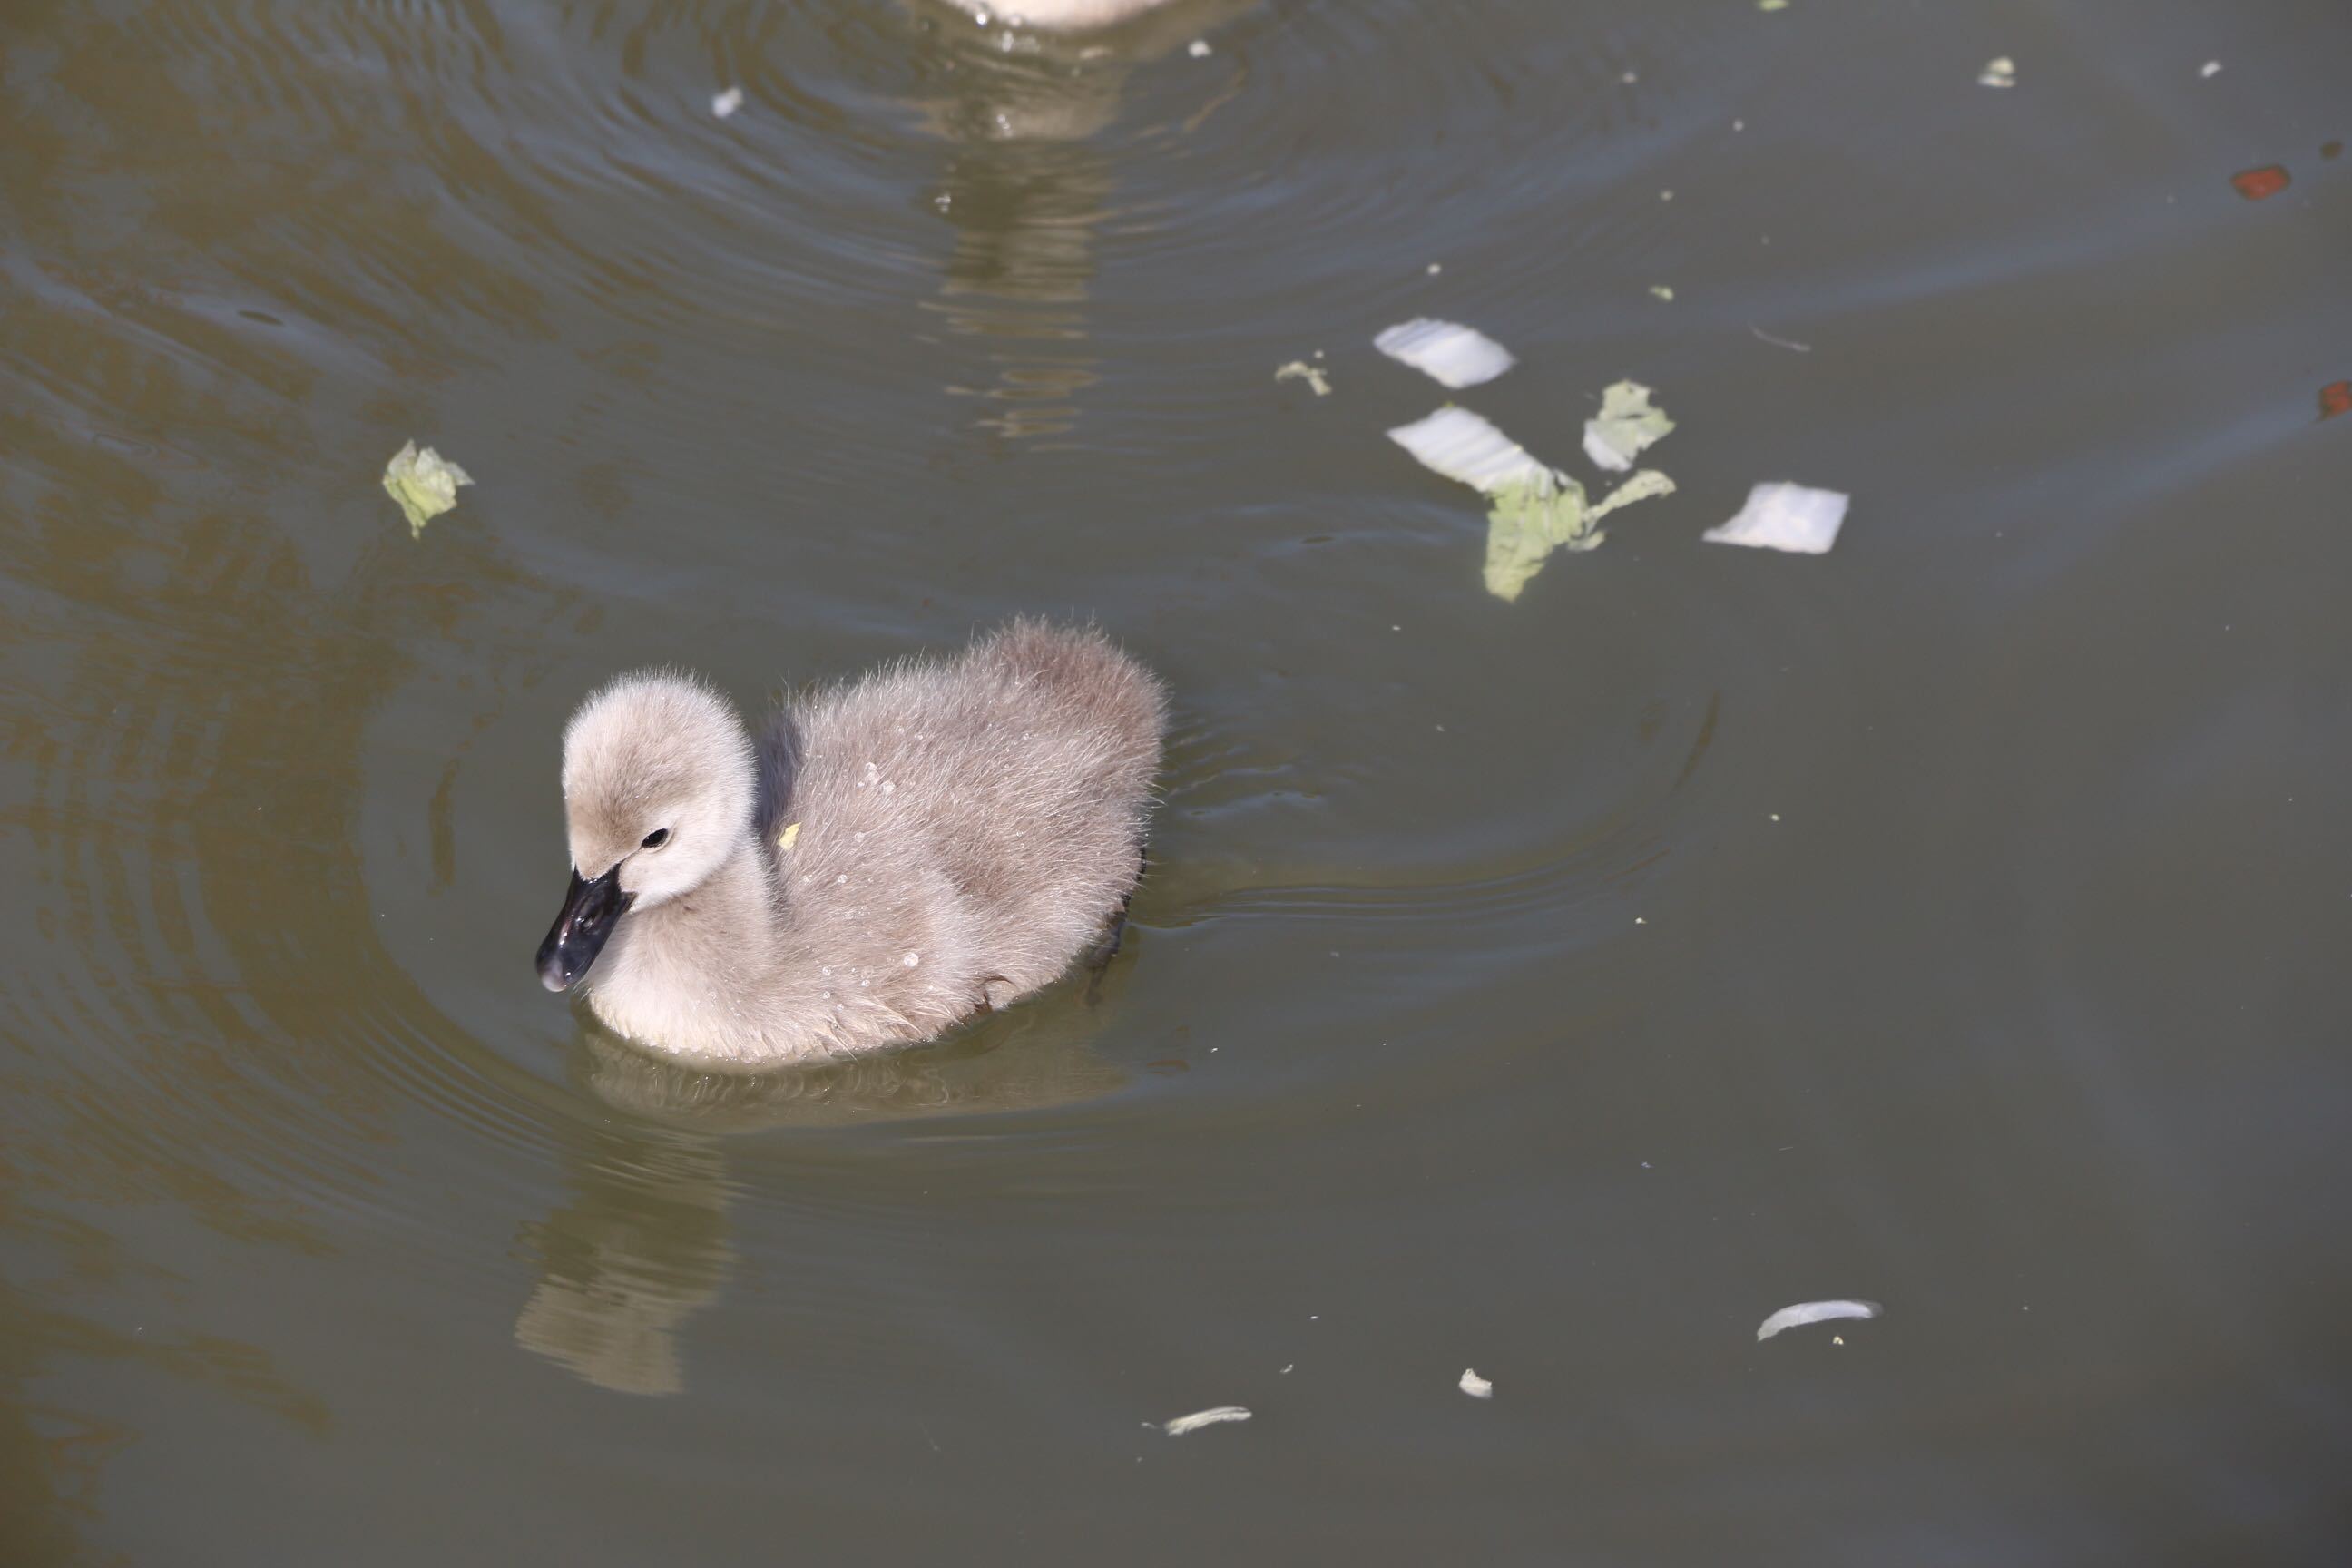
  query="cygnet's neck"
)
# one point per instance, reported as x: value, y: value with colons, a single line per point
x: 733, y: 910
x: 709, y: 955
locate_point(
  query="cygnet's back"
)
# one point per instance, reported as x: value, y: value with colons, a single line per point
x: 935, y: 838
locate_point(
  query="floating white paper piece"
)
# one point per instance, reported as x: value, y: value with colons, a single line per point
x: 1785, y: 517
x: 727, y: 102
x: 1462, y: 445
x: 2001, y: 72
x: 1805, y: 1312
x: 1476, y: 1387
x: 1199, y: 1418
x: 1453, y: 355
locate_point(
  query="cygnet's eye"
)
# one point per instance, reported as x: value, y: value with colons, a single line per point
x: 657, y: 837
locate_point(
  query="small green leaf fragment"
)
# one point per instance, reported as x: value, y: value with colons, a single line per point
x: 1313, y: 376
x: 1626, y: 424
x: 1532, y: 508
x: 1649, y: 482
x: 424, y: 483
x: 1529, y: 518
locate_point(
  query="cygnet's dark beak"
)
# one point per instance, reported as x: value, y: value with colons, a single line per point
x: 580, y: 930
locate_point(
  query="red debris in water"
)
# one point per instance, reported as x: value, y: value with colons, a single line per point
x: 2335, y: 398
x: 2255, y: 183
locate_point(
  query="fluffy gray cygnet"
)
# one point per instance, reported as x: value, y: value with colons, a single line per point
x: 937, y: 838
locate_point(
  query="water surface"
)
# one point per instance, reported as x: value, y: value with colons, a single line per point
x: 1555, y: 988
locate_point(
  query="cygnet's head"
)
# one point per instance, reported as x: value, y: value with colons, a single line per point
x: 657, y: 790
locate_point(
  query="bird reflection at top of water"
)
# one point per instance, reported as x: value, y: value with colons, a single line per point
x: 1028, y: 184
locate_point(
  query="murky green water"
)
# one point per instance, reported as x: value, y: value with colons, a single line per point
x: 1553, y: 988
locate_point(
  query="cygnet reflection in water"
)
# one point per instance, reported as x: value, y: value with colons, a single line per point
x: 1029, y: 1059
x: 643, y: 1245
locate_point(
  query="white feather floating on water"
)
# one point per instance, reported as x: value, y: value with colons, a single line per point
x: 1199, y: 1418
x: 1462, y: 445
x: 1785, y: 517
x: 1804, y: 1312
x: 1452, y: 355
